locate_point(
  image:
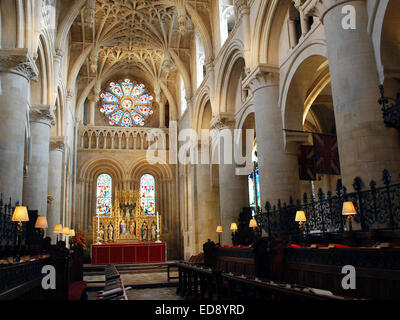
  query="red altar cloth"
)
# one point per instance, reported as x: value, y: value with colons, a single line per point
x: 128, y: 253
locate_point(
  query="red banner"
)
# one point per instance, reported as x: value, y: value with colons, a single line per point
x: 307, y: 163
x: 326, y: 154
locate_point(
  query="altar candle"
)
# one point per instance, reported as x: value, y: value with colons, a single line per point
x: 158, y: 223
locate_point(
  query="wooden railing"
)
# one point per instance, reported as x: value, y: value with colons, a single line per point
x: 22, y: 279
x: 113, y: 138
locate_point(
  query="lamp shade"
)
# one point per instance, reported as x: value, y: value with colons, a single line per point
x: 20, y: 214
x: 72, y: 233
x: 41, y: 222
x: 65, y: 231
x: 58, y: 228
x: 219, y: 229
x: 300, y: 216
x: 234, y: 226
x: 253, y: 223
x: 348, y: 209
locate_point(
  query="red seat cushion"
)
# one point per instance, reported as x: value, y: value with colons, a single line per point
x: 76, y: 290
x: 336, y: 245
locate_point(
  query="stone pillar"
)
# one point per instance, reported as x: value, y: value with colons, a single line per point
x: 278, y: 166
x: 292, y: 33
x: 16, y: 70
x: 92, y: 108
x: 162, y: 113
x: 35, y: 184
x: 55, y: 182
x: 242, y: 12
x: 366, y: 146
x: 206, y: 205
x: 233, y: 189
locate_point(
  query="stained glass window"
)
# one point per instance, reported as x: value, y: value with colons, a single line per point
x: 104, y: 195
x: 148, y: 194
x: 254, y: 183
x: 126, y: 104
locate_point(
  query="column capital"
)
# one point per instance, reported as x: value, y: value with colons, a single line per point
x: 43, y: 114
x: 241, y: 7
x: 20, y: 62
x: 57, y: 144
x: 320, y: 8
x: 261, y: 76
x: 223, y: 120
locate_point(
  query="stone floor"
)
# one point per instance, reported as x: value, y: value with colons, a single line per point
x: 159, y: 279
x: 153, y: 294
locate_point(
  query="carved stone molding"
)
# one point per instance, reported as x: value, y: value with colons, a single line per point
x: 43, y: 114
x: 294, y: 139
x: 57, y: 144
x: 261, y: 76
x: 223, y: 121
x: 18, y: 61
x: 319, y: 8
x: 241, y: 7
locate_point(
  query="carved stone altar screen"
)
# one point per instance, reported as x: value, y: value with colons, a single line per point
x: 128, y: 221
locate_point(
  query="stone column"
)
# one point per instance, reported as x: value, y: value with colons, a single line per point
x: 206, y: 205
x: 55, y: 182
x: 278, y: 166
x: 233, y: 189
x: 292, y: 33
x: 35, y: 184
x: 93, y: 98
x: 16, y: 70
x: 162, y: 113
x: 242, y: 12
x: 366, y: 146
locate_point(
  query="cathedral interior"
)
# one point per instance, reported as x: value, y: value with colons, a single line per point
x: 162, y: 139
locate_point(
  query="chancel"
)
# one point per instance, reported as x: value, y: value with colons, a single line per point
x: 199, y: 149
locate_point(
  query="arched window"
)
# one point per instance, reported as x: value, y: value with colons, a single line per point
x: 104, y: 195
x: 254, y: 184
x: 183, y: 96
x: 126, y: 104
x: 148, y: 194
x: 200, y: 60
x: 226, y: 18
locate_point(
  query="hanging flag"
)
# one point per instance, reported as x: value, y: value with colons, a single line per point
x: 326, y: 154
x: 307, y: 163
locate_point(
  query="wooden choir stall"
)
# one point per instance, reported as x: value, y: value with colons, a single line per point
x: 128, y: 234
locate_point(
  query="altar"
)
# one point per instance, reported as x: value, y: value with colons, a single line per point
x: 127, y: 232
x: 126, y: 221
x: 128, y: 253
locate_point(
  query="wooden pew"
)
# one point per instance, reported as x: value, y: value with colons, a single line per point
x: 113, y: 288
x: 22, y: 280
x: 377, y: 270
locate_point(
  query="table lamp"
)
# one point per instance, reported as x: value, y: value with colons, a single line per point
x: 65, y: 232
x: 253, y: 223
x: 234, y: 229
x: 72, y: 233
x: 41, y: 223
x: 219, y: 231
x: 58, y: 229
x: 300, y: 218
x: 349, y: 210
x: 20, y: 215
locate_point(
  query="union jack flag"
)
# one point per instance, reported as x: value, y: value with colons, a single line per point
x: 326, y: 154
x: 307, y: 163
